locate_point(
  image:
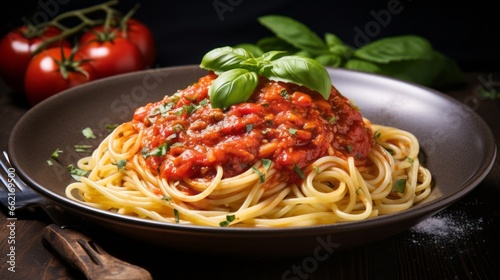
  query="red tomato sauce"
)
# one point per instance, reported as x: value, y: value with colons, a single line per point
x: 288, y: 124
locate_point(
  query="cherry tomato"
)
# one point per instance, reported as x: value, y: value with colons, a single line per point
x: 112, y: 57
x: 45, y: 73
x: 136, y: 32
x: 139, y: 34
x: 16, y: 50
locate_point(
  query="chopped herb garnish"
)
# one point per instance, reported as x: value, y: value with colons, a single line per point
x: 261, y: 175
x: 121, y: 164
x: 88, y: 133
x: 179, y: 127
x: 49, y: 162
x: 399, y: 185
x: 229, y: 219
x: 203, y: 102
x: 167, y: 199
x: 298, y: 171
x: 190, y: 108
x: 285, y: 94
x: 390, y: 151
x: 111, y: 127
x: 176, y: 215
x: 349, y: 148
x: 76, y: 173
x: 82, y: 148
x: 376, y: 135
x: 249, y: 127
x: 56, y: 153
x: 292, y: 131
x: 332, y: 120
x: 266, y: 163
x: 158, y: 151
x: 410, y: 160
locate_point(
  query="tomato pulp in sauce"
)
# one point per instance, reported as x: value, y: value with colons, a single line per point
x: 184, y: 137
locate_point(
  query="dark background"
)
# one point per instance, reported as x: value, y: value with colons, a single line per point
x: 468, y: 32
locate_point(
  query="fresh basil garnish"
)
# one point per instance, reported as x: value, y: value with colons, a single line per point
x: 239, y: 72
x: 295, y: 33
x: 232, y: 87
x: 300, y: 70
x: 407, y: 57
x: 225, y: 58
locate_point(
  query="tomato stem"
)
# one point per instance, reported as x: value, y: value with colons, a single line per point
x: 82, y: 15
x: 123, y: 22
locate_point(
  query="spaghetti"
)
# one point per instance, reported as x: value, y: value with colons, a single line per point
x: 287, y: 157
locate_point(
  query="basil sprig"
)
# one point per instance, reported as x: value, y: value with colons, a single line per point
x: 239, y: 71
x: 406, y: 57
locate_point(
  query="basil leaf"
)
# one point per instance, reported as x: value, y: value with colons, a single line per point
x: 396, y: 49
x: 450, y: 73
x: 272, y: 55
x: 224, y: 58
x: 294, y: 33
x: 251, y: 48
x: 362, y: 65
x: 232, y: 87
x: 332, y: 40
x: 299, y: 70
x: 267, y: 44
x: 332, y: 60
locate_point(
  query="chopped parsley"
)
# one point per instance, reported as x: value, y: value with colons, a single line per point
x: 399, y: 185
x: 266, y: 163
x: 285, y: 94
x: 391, y: 151
x: 249, y: 127
x: 121, y: 164
x: 82, y: 148
x: 56, y: 153
x: 229, y: 219
x: 332, y: 120
x: 88, y: 133
x: 298, y: 171
x: 292, y: 131
x: 261, y: 175
x: 176, y: 215
x: 376, y: 135
x: 158, y: 151
x: 111, y: 127
x: 76, y: 173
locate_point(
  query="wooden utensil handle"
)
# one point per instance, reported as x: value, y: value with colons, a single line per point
x: 88, y: 257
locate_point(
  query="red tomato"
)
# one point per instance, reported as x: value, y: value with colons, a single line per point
x: 136, y: 32
x: 139, y: 34
x: 112, y: 57
x: 16, y: 50
x: 44, y: 75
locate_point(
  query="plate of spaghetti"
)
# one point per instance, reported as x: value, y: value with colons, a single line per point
x: 255, y: 155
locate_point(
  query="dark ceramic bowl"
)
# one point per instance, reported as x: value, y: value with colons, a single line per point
x: 458, y: 146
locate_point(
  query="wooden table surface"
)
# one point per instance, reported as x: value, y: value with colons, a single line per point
x: 461, y: 242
